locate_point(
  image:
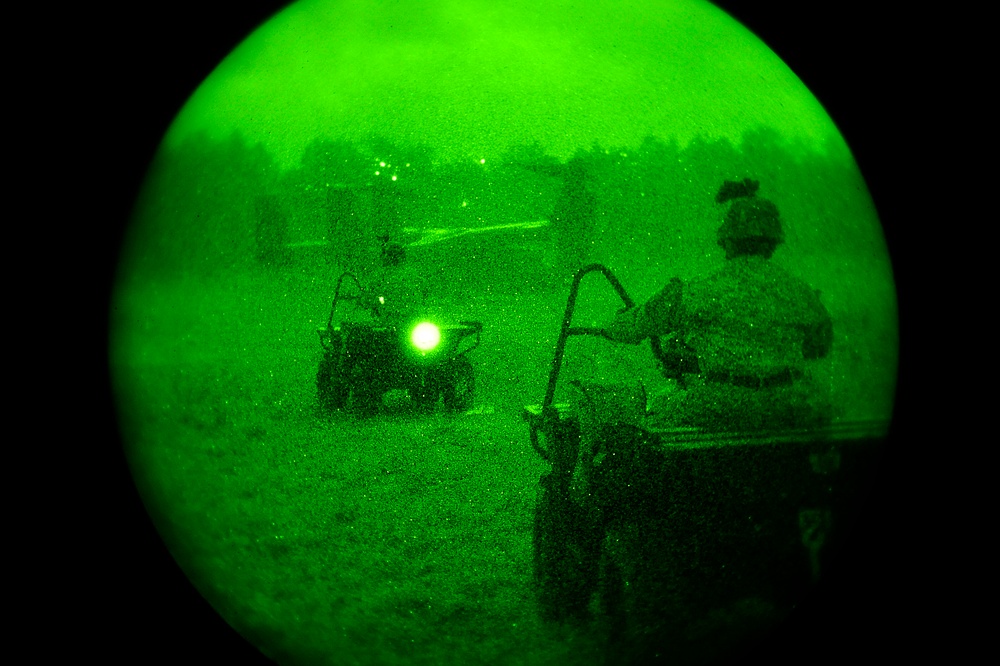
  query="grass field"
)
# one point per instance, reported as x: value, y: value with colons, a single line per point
x: 327, y: 539
x: 399, y: 539
x: 368, y: 541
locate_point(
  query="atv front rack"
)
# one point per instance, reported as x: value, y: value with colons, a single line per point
x: 464, y: 329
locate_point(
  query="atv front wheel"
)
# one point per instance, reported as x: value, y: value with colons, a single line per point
x: 459, y: 385
x: 424, y: 392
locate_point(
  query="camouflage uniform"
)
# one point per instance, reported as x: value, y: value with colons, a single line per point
x: 753, y: 326
x: 755, y: 329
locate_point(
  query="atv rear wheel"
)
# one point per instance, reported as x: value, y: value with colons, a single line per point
x: 459, y: 385
x: 567, y: 552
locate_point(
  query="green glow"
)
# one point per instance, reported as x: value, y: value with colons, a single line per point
x: 473, y: 80
x: 504, y: 145
x: 425, y: 336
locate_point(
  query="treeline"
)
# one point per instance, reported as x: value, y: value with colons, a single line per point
x: 212, y: 207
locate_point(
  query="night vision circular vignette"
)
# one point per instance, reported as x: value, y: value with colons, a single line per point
x: 353, y: 173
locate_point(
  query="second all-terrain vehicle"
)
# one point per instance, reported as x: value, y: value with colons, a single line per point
x: 363, y: 361
x: 687, y: 542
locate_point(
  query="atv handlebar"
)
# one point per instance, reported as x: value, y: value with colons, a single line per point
x: 666, y: 364
x: 567, y: 328
x: 548, y: 416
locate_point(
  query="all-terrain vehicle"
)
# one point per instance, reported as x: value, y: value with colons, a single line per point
x: 685, y: 542
x: 363, y: 361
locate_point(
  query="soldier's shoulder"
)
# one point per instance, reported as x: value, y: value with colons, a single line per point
x: 802, y: 296
x: 711, y: 292
x: 778, y: 274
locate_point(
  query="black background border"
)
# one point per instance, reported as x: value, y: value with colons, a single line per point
x: 855, y: 57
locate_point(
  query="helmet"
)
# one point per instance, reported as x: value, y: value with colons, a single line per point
x: 748, y: 216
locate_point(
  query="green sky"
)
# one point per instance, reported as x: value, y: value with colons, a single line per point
x: 472, y: 77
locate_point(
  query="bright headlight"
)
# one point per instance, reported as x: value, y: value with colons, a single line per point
x: 425, y: 336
